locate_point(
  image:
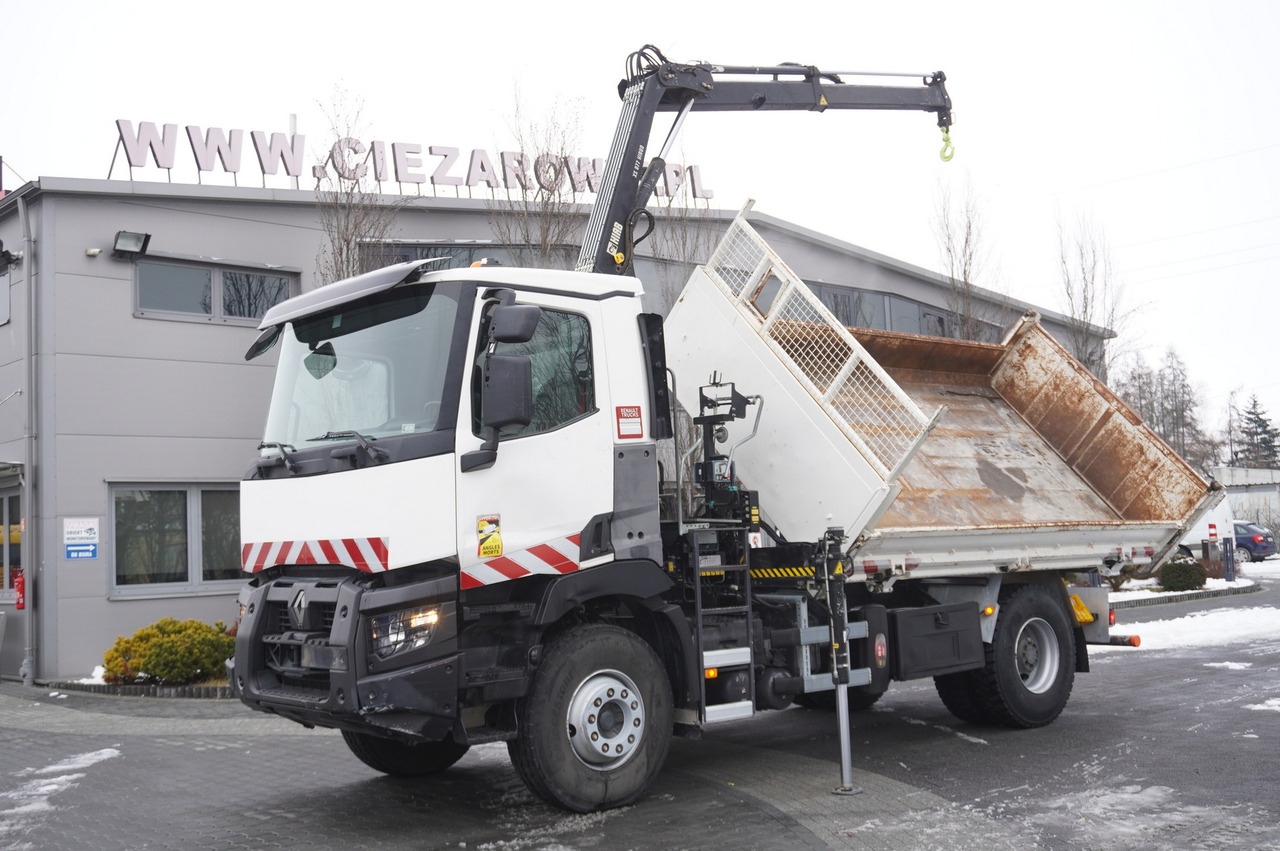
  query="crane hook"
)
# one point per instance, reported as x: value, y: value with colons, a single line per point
x: 948, y: 150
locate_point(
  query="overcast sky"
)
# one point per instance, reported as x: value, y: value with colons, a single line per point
x: 1155, y: 120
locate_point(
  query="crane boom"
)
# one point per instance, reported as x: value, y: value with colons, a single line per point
x: 656, y: 85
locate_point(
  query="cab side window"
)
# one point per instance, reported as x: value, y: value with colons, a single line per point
x: 563, y: 378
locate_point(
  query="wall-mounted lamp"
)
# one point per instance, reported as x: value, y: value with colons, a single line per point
x: 8, y: 258
x: 130, y: 245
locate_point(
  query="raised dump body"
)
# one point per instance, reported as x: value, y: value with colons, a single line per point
x: 935, y: 456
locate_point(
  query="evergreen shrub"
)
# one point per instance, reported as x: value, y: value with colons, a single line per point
x: 1182, y: 574
x: 169, y: 652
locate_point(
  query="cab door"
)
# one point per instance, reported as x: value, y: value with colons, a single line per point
x: 525, y: 513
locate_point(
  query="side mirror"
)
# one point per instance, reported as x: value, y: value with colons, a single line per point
x: 514, y: 323
x: 506, y: 399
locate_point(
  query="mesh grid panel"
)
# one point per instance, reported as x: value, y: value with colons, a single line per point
x: 859, y: 396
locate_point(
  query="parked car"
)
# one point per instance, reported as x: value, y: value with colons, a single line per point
x: 1253, y: 543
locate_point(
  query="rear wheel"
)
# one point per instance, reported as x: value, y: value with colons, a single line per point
x: 403, y: 759
x: 959, y: 693
x: 1243, y: 555
x: 1030, y: 665
x: 596, y: 724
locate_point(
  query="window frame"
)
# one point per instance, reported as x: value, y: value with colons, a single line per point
x: 195, y: 583
x: 217, y: 276
x: 9, y: 523
x: 517, y: 433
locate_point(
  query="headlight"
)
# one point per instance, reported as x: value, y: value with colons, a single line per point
x: 397, y: 632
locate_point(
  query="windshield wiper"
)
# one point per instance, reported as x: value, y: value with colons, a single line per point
x: 286, y: 455
x: 375, y: 454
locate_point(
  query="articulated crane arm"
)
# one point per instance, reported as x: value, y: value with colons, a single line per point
x: 655, y: 85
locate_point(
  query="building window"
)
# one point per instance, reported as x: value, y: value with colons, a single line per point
x: 179, y: 538
x: 854, y: 308
x: 174, y: 290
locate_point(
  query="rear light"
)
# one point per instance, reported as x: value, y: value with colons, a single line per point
x: 1258, y: 539
x: 1111, y: 618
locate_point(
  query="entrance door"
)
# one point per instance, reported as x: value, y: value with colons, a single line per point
x: 11, y: 636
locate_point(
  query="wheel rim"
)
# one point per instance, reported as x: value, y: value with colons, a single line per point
x: 1036, y: 655
x: 605, y: 722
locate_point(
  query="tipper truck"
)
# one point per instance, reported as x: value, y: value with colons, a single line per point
x: 476, y: 515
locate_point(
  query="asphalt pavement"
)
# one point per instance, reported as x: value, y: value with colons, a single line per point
x: 85, y: 770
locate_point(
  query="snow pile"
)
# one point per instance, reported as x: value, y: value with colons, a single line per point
x: 96, y: 678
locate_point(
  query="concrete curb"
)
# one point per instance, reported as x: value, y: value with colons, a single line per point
x: 1182, y: 598
x: 204, y: 692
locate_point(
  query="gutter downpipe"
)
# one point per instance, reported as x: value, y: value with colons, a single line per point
x: 30, y: 536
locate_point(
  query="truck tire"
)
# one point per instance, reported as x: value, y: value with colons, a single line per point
x: 1030, y: 665
x: 403, y: 759
x: 595, y: 726
x: 959, y: 693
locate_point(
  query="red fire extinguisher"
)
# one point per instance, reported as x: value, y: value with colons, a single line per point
x: 20, y: 591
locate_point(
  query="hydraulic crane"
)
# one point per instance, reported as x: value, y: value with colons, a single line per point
x: 655, y: 85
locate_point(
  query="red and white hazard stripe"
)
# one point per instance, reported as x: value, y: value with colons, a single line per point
x: 554, y: 557
x: 367, y: 554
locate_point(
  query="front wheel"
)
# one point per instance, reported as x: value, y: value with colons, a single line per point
x: 596, y: 724
x: 403, y: 759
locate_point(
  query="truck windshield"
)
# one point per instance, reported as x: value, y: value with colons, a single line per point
x: 370, y: 369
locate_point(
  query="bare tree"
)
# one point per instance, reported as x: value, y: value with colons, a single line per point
x: 1093, y: 295
x: 977, y: 313
x: 540, y: 218
x: 684, y: 236
x: 356, y: 219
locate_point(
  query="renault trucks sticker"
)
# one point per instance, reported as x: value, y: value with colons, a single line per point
x: 630, y: 422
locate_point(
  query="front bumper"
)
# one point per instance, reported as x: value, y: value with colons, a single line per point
x: 303, y: 651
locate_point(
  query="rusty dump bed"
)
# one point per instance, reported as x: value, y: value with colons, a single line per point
x: 1031, y: 464
x: 1029, y: 439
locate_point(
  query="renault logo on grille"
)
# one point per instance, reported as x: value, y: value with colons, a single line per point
x: 298, y: 610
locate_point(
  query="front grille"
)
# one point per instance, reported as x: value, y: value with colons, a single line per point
x: 283, y: 637
x: 319, y: 618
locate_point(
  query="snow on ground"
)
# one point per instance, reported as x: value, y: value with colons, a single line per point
x: 22, y: 807
x: 1215, y: 628
x: 1143, y: 589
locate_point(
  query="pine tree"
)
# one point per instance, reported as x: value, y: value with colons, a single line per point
x: 1259, y: 438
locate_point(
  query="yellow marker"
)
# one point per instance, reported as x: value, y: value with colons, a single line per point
x: 1083, y: 615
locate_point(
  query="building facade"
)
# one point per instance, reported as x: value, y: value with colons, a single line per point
x: 128, y: 413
